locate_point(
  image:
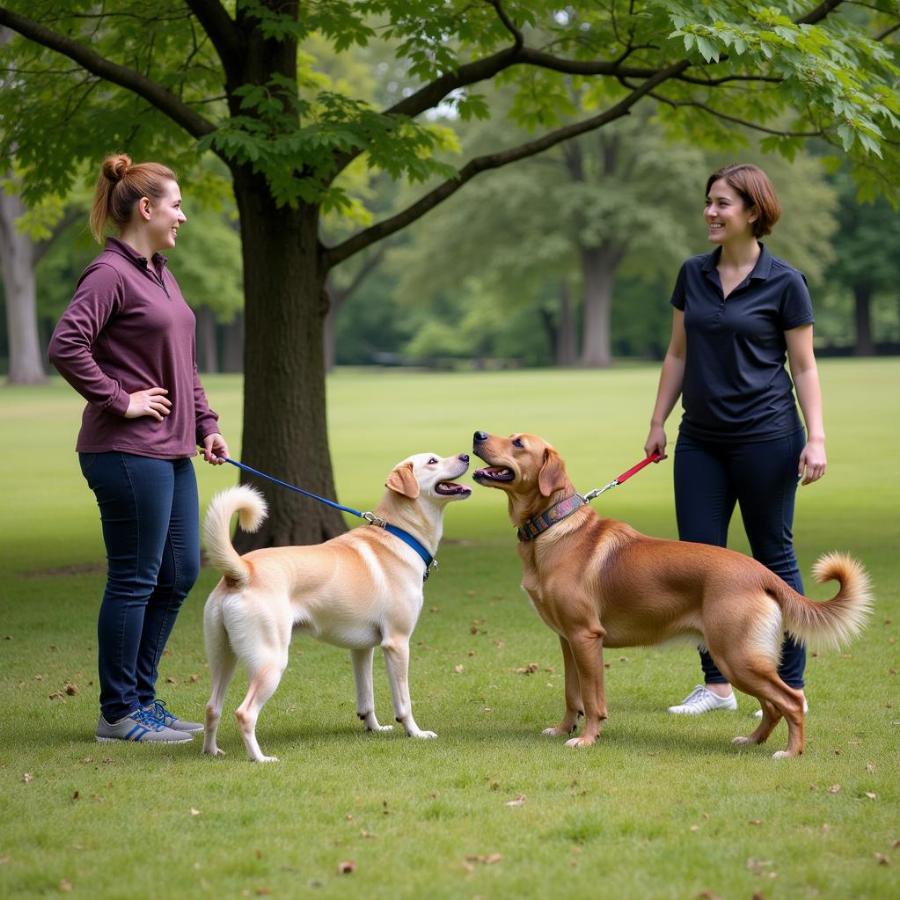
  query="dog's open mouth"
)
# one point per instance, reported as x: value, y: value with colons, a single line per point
x: 451, y: 488
x: 493, y: 473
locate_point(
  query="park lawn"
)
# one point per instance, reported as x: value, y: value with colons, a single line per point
x: 660, y: 807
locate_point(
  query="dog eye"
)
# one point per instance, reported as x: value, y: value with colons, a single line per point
x: 433, y: 461
x: 517, y: 442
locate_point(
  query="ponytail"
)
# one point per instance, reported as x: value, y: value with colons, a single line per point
x: 119, y: 188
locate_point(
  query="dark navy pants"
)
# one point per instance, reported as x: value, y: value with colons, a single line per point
x: 761, y: 478
x: 150, y: 518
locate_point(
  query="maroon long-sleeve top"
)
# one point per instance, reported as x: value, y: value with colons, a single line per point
x: 126, y: 329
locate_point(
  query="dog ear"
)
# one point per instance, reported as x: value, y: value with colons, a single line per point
x: 402, y: 481
x: 552, y: 476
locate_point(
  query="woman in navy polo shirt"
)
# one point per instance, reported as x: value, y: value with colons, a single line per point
x: 739, y: 312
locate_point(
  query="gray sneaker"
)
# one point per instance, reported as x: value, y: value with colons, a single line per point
x: 139, y: 726
x: 702, y: 700
x: 166, y: 717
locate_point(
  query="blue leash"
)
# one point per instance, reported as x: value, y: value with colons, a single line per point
x: 371, y: 518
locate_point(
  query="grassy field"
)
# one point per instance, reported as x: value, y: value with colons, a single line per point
x: 661, y: 807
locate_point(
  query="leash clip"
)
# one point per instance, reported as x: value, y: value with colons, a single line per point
x: 596, y: 492
x: 372, y: 519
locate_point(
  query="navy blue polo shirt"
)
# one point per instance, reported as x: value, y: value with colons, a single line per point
x: 735, y: 384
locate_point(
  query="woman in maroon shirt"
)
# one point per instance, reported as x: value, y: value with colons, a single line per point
x: 126, y: 344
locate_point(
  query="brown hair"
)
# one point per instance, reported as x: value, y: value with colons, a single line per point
x: 753, y: 186
x: 120, y: 186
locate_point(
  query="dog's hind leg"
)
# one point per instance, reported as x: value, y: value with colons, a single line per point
x: 574, y: 705
x: 221, y: 660
x: 365, y: 692
x: 776, y: 700
x: 264, y: 679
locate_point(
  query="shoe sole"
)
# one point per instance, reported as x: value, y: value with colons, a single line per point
x: 118, y: 740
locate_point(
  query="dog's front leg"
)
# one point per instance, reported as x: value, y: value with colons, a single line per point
x: 574, y: 707
x: 587, y: 651
x: 396, y: 656
x: 365, y: 692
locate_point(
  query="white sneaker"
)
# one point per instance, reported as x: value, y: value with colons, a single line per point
x: 702, y: 700
x: 758, y: 713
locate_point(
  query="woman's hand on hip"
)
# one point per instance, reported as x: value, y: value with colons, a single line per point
x: 215, y: 450
x: 151, y: 402
x: 812, y: 461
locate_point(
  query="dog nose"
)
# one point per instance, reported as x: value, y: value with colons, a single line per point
x: 480, y: 437
x: 464, y: 457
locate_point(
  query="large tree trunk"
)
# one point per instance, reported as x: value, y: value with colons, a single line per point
x: 285, y: 432
x: 598, y: 268
x: 862, y: 301
x: 17, y: 265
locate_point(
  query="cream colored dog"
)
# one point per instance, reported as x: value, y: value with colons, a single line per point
x: 360, y: 590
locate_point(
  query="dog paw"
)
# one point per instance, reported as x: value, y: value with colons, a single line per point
x: 580, y: 742
x: 265, y: 759
x: 741, y: 740
x: 557, y: 732
x: 423, y: 735
x: 213, y: 751
x: 782, y: 754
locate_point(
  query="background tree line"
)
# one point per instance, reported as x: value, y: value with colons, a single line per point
x: 508, y: 276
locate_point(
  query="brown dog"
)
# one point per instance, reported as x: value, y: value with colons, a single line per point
x: 597, y: 582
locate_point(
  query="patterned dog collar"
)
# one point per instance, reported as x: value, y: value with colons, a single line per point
x: 531, y: 528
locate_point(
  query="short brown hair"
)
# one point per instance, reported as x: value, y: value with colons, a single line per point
x: 120, y: 185
x: 755, y: 189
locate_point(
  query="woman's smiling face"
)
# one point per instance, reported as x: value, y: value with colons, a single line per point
x: 727, y: 216
x: 166, y: 217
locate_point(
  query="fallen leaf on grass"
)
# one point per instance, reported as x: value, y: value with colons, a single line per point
x: 870, y: 767
x: 519, y: 801
x: 530, y: 669
x: 834, y: 789
x: 881, y: 859
x: 758, y: 866
x: 262, y: 891
x: 195, y: 812
x: 489, y: 859
x: 76, y: 795
x: 870, y: 795
x: 71, y: 689
x: 4, y: 859
x: 458, y: 669
x: 28, y: 778
x: 756, y: 821
x: 347, y: 867
x: 65, y: 886
x: 171, y: 680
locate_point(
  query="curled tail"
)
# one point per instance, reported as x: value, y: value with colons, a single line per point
x: 251, y: 507
x: 835, y: 622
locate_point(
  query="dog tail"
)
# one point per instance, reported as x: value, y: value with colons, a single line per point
x: 251, y: 509
x: 837, y: 621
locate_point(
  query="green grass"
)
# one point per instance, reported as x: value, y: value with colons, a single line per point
x: 660, y: 807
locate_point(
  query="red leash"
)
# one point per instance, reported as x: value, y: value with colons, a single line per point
x: 653, y: 458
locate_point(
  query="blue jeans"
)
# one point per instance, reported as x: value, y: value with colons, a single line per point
x: 150, y: 518
x: 761, y: 477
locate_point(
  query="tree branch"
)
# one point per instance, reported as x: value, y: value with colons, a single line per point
x: 720, y: 115
x: 819, y: 13
x: 166, y: 102
x: 508, y: 23
x: 331, y: 256
x: 220, y: 27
